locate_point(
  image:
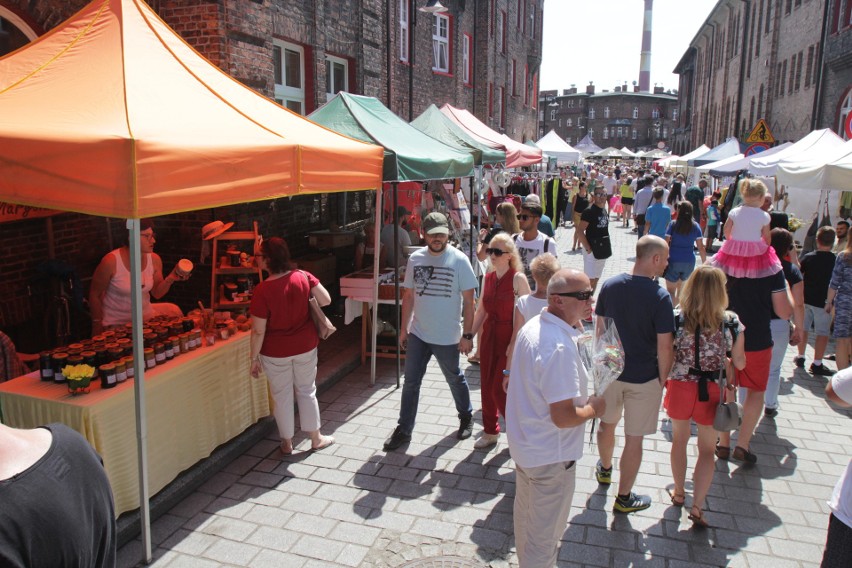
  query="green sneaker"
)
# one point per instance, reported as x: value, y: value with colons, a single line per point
x: 631, y: 503
x: 604, y: 476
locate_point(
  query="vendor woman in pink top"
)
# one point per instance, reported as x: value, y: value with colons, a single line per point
x: 109, y: 294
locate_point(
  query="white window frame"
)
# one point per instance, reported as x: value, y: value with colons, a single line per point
x: 285, y: 95
x: 570, y: 103
x: 606, y: 112
x: 655, y: 113
x: 591, y: 113
x: 620, y: 132
x: 635, y: 134
x: 636, y: 112
x: 440, y: 43
x: 553, y: 114
x: 329, y: 61
x: 569, y: 122
x: 606, y: 133
x: 674, y: 113
x: 466, y: 59
x: 404, y: 40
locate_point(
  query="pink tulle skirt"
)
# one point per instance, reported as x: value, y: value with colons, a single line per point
x: 746, y: 259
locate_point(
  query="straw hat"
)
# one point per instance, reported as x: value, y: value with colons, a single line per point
x: 214, y: 229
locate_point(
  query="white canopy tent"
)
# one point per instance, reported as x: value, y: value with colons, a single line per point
x: 728, y: 148
x: 720, y: 163
x: 731, y: 168
x: 553, y: 145
x: 627, y: 152
x: 829, y: 170
x: 683, y: 161
x: 821, y: 140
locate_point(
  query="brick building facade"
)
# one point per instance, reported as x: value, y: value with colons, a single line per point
x: 482, y: 55
x: 621, y: 117
x: 785, y: 61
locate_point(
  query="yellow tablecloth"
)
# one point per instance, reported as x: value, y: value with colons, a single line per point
x: 194, y: 403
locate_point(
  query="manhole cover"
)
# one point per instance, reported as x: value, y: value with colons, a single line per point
x: 443, y: 562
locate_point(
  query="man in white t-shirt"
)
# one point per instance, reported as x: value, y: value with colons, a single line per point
x: 838, y: 542
x: 610, y: 184
x: 531, y: 242
x: 437, y: 316
x: 547, y: 406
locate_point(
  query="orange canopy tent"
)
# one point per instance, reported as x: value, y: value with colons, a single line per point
x: 113, y: 114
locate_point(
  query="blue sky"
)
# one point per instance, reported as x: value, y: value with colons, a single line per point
x: 601, y: 40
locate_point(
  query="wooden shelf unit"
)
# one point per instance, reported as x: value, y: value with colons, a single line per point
x: 220, y: 271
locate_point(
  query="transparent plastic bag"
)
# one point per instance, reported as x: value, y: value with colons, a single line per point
x: 602, y: 354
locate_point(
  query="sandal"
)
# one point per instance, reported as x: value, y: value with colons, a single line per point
x: 698, y: 521
x: 677, y: 500
x: 473, y: 359
x: 743, y: 455
x: 326, y: 442
x: 723, y: 452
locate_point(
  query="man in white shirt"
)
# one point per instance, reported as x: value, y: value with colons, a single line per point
x: 531, y: 242
x: 546, y: 409
x: 610, y: 184
x: 838, y: 542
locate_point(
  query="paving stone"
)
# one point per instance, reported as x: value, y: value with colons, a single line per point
x: 230, y: 552
x: 268, y: 516
x: 319, y: 548
x: 274, y: 538
x: 276, y: 559
x: 311, y: 524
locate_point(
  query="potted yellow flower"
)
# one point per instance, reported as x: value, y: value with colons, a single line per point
x: 79, y: 377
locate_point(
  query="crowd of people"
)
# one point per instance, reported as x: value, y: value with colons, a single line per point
x: 701, y: 329
x: 696, y: 337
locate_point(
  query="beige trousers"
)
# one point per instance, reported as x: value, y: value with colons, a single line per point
x: 542, y: 502
x: 287, y: 375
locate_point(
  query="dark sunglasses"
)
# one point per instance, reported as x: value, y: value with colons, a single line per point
x: 523, y: 217
x: 582, y: 296
x: 495, y: 252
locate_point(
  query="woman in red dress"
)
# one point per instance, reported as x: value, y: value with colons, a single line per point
x: 494, y: 316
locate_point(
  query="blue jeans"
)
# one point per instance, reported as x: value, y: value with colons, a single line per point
x: 780, y: 338
x: 417, y: 355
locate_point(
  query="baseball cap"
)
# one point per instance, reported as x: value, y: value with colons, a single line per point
x: 532, y: 198
x: 436, y: 223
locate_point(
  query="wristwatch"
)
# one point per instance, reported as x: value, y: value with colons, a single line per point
x: 468, y: 336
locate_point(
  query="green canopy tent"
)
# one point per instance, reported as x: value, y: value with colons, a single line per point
x: 410, y: 155
x: 436, y: 124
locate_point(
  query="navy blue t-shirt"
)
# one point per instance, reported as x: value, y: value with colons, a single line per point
x: 751, y: 300
x: 641, y: 309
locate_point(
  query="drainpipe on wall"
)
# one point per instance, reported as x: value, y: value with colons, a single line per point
x: 743, y: 56
x: 389, y: 61
x: 709, y: 80
x: 816, y: 113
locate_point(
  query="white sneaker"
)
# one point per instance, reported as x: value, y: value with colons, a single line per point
x: 486, y: 441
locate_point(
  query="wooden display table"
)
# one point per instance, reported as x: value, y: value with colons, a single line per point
x: 194, y: 403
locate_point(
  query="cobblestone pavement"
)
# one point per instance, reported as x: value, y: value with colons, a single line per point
x: 355, y: 505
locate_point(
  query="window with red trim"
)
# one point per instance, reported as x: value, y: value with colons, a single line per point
x: 467, y: 59
x: 490, y: 100
x: 514, y: 79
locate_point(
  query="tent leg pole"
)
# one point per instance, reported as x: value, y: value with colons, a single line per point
x: 395, y: 190
x: 133, y: 226
x: 375, y: 315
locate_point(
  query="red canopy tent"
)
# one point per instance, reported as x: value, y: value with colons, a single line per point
x: 517, y: 154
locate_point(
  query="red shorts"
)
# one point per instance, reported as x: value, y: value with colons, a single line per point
x: 681, y: 402
x: 756, y: 373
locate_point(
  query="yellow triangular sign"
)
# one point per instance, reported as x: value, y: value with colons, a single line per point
x: 760, y: 133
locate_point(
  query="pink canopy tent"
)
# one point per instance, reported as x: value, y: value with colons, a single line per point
x: 517, y: 154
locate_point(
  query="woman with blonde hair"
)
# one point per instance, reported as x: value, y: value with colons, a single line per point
x: 692, y: 392
x: 494, y: 316
x: 506, y: 221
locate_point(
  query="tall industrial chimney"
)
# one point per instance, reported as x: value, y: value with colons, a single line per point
x: 645, y: 57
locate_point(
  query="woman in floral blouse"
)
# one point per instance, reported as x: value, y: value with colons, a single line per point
x: 692, y: 392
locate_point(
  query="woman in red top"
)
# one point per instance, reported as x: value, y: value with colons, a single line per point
x: 494, y: 315
x: 284, y: 342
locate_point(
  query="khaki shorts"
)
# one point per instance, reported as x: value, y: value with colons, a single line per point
x: 640, y: 403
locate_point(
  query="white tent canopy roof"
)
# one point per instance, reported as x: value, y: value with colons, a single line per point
x: 818, y: 171
x: 728, y: 148
x: 683, y: 160
x: 823, y: 141
x: 720, y: 163
x: 730, y: 168
x: 553, y: 145
x: 627, y: 152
